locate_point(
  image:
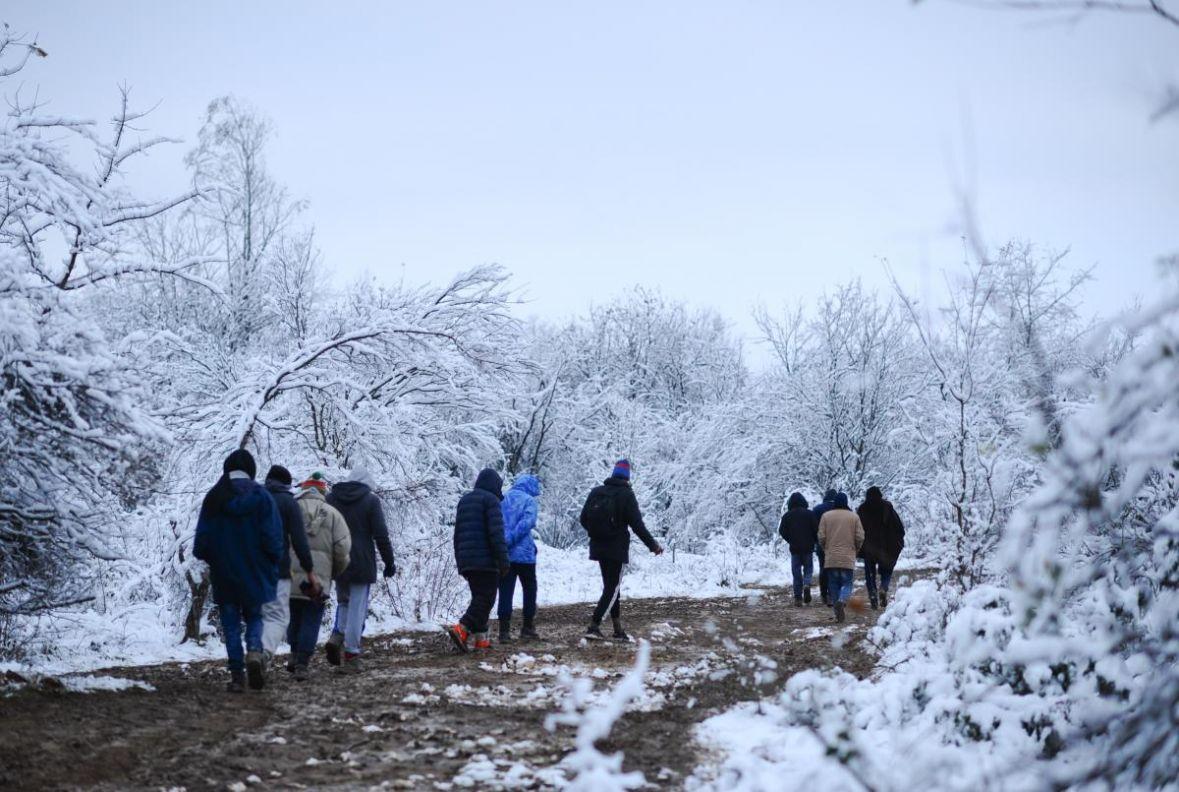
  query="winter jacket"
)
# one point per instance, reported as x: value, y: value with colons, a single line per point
x: 884, y: 533
x: 328, y: 539
x: 242, y: 543
x: 294, y: 538
x: 479, y: 544
x: 841, y: 535
x: 799, y: 526
x: 519, y: 508
x: 361, y: 509
x: 617, y: 548
x: 829, y: 498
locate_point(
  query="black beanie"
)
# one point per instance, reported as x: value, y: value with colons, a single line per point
x: 242, y: 460
x: 279, y: 474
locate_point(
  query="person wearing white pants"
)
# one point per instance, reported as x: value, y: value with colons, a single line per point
x: 276, y: 614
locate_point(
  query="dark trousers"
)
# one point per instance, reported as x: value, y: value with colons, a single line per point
x: 872, y: 568
x: 801, y: 569
x: 611, y: 599
x: 303, y: 630
x: 507, y: 591
x: 483, y: 588
x: 824, y: 585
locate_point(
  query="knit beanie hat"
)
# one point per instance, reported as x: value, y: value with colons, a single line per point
x: 279, y: 474
x: 622, y: 469
x: 316, y: 480
x: 242, y: 460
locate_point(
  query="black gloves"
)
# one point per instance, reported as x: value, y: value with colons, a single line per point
x: 390, y: 570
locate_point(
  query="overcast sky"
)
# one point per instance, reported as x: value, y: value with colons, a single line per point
x: 728, y: 153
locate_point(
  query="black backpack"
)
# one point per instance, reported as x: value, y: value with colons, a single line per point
x: 599, y: 515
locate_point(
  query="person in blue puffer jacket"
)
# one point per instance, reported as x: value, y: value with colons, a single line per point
x: 520, y: 512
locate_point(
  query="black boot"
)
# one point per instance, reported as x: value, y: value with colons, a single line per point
x: 619, y: 633
x: 798, y: 602
x: 594, y: 632
x: 528, y: 631
x: 884, y: 598
x: 806, y: 595
x: 505, y: 631
x: 237, y: 682
x: 839, y: 613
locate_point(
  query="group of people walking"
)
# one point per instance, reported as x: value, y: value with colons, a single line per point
x: 873, y: 532
x: 275, y: 550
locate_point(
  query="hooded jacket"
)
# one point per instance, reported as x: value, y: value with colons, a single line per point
x: 617, y: 548
x: 479, y: 544
x: 294, y: 538
x: 841, y: 535
x: 799, y: 526
x: 884, y: 533
x: 240, y: 538
x: 520, y: 513
x: 328, y: 538
x: 361, y: 509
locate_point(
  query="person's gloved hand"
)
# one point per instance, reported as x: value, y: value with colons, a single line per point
x: 658, y: 549
x: 390, y: 570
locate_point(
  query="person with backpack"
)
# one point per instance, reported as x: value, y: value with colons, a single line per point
x: 884, y: 538
x: 800, y: 530
x: 361, y: 509
x: 276, y: 615
x: 520, y: 513
x: 481, y: 554
x: 330, y: 546
x: 841, y: 535
x: 827, y: 505
x: 610, y: 512
x: 239, y: 535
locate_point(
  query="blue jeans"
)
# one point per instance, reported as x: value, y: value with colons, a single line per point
x: 801, y: 569
x: 232, y: 615
x: 840, y: 582
x: 507, y: 590
x: 303, y: 630
x: 872, y: 567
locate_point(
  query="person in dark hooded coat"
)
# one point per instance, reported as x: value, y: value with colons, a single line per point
x: 361, y: 509
x: 800, y: 529
x: 610, y: 513
x: 239, y: 535
x: 276, y: 614
x: 884, y: 538
x: 481, y: 554
x: 829, y: 499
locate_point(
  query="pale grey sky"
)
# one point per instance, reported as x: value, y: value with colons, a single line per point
x: 725, y: 152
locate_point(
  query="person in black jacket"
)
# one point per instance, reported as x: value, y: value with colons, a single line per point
x: 884, y: 538
x: 481, y: 554
x: 800, y: 529
x: 276, y: 614
x: 829, y: 498
x: 361, y: 508
x: 609, y: 511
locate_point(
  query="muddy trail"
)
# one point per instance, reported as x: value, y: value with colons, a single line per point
x: 421, y: 716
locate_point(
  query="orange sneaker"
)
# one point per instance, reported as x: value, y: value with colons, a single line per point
x: 482, y: 642
x: 459, y: 637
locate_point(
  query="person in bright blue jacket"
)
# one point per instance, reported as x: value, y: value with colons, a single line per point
x: 239, y: 535
x: 520, y: 512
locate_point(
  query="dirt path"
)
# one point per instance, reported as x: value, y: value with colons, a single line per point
x: 420, y: 717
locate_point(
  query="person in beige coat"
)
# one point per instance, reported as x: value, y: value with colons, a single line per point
x: 331, y: 546
x: 841, y: 535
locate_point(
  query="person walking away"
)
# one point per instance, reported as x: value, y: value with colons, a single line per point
x: 276, y: 615
x: 330, y: 546
x: 239, y: 535
x: 841, y: 535
x: 520, y: 513
x: 610, y: 513
x: 481, y: 554
x: 884, y: 538
x: 800, y: 530
x: 827, y: 505
x: 361, y: 509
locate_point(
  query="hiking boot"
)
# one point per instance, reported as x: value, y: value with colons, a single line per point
x: 806, y: 595
x: 528, y: 632
x: 459, y: 637
x: 351, y: 664
x: 875, y: 605
x: 798, y: 602
x: 333, y: 648
x: 256, y: 670
x: 291, y: 665
x: 884, y: 598
x: 482, y: 642
x: 839, y: 612
x: 619, y: 633
x: 302, y: 674
x: 505, y: 632
x: 237, y: 682
x: 594, y: 633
